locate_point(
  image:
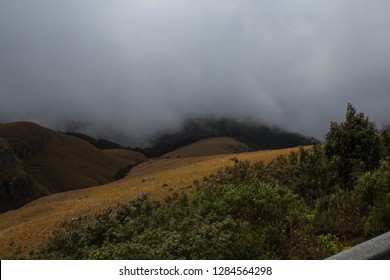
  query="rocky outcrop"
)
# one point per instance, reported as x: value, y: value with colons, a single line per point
x: 16, y: 187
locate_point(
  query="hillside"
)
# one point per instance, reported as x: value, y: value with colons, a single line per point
x: 209, y: 147
x: 26, y: 228
x: 133, y: 156
x: 57, y: 162
x: 255, y: 135
x: 16, y: 187
x: 101, y: 144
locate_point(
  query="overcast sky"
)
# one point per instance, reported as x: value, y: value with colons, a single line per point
x: 134, y: 67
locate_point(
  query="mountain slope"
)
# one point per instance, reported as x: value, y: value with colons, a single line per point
x: 132, y: 156
x: 16, y: 187
x: 29, y: 226
x: 257, y: 136
x: 209, y: 147
x: 57, y: 162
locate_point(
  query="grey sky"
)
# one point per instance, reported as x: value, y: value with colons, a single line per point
x: 133, y: 67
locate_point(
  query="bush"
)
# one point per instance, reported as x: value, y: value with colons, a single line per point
x: 307, y: 172
x: 341, y: 214
x: 385, y: 142
x: 227, y: 221
x: 374, y: 188
x: 356, y: 143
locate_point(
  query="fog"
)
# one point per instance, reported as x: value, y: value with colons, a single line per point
x: 126, y: 69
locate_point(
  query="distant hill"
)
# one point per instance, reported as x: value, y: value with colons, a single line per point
x: 256, y: 136
x: 101, y: 144
x: 53, y: 161
x: 132, y: 156
x: 209, y: 147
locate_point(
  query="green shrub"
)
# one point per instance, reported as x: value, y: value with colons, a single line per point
x: 385, y: 142
x: 374, y: 188
x: 356, y: 143
x: 341, y: 214
x: 252, y: 220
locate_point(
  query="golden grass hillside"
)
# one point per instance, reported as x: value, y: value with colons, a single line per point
x: 58, y: 162
x: 209, y: 147
x: 28, y: 227
x: 132, y: 156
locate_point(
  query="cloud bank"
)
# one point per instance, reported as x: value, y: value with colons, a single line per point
x: 131, y: 68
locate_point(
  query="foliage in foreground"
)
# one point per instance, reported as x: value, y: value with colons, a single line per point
x: 217, y: 222
x: 300, y: 206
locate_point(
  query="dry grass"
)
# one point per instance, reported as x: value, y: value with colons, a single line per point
x: 60, y: 162
x: 209, y: 147
x: 132, y: 156
x: 31, y: 225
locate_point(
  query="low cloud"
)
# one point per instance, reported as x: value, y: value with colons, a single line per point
x: 132, y: 68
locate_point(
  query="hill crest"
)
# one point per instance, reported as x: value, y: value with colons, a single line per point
x: 57, y: 162
x: 208, y: 147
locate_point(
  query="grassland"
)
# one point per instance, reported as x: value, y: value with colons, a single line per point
x: 58, y: 162
x: 132, y: 156
x: 28, y: 227
x: 208, y: 147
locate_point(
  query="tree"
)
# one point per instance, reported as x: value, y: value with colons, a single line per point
x: 356, y: 143
x: 385, y: 141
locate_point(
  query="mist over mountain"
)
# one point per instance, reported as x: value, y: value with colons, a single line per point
x: 255, y: 135
x: 134, y: 68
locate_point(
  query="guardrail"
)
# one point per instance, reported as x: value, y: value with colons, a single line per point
x: 377, y: 248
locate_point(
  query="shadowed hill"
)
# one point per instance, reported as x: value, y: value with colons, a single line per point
x: 16, y: 187
x: 57, y: 162
x: 132, y: 156
x: 255, y: 135
x: 209, y: 147
x: 101, y: 144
